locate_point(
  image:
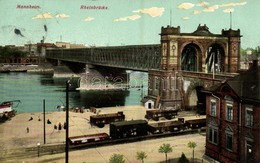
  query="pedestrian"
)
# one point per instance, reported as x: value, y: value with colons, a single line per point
x: 27, y: 129
x: 65, y: 126
x: 48, y: 121
x: 60, y: 126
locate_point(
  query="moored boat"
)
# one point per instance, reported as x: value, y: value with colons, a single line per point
x: 6, y: 107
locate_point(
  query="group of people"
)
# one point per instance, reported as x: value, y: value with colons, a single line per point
x: 59, y: 127
x: 39, y: 119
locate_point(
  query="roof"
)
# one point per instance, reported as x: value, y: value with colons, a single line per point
x: 91, y: 136
x: 131, y: 122
x: 202, y: 30
x: 107, y: 115
x: 246, y: 85
x: 146, y: 99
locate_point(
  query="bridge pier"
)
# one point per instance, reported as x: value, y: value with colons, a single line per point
x: 63, y: 69
x: 103, y: 78
x: 165, y: 89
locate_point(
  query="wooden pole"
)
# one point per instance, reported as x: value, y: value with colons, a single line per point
x: 44, y: 127
x: 67, y: 121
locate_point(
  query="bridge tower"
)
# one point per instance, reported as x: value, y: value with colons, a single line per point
x: 198, y: 52
x: 163, y: 83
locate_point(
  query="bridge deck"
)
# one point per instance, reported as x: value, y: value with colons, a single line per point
x: 136, y: 57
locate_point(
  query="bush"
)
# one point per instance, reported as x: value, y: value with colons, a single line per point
x: 183, y: 159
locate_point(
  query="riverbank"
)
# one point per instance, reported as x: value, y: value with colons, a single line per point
x: 5, y: 68
x: 14, y: 133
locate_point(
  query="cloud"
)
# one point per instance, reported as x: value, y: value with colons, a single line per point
x: 50, y: 16
x: 43, y: 16
x: 132, y: 17
x: 62, y: 16
x: 228, y: 10
x: 196, y: 12
x: 203, y: 4
x: 211, y: 8
x: 186, y: 6
x: 153, y: 12
x: 233, y: 4
x: 87, y: 19
x: 185, y: 18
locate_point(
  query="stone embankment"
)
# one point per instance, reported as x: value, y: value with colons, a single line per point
x: 6, y: 68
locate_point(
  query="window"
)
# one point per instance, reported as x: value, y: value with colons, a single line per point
x: 249, y: 117
x: 157, y: 82
x: 229, y: 141
x: 229, y: 112
x: 213, y: 106
x: 213, y: 135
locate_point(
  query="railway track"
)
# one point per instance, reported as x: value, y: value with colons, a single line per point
x: 31, y: 152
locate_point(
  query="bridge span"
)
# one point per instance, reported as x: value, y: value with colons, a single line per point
x: 133, y: 57
x: 179, y: 68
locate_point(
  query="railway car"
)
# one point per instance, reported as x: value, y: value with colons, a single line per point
x: 155, y: 114
x: 165, y: 126
x: 102, y: 119
x: 88, y: 138
x: 195, y: 123
x: 126, y: 129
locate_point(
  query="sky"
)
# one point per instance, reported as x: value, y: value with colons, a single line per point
x: 122, y: 22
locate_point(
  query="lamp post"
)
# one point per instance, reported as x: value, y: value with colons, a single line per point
x: 38, y: 146
x: 67, y: 121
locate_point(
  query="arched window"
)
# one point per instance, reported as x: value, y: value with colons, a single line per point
x: 215, y: 59
x: 189, y: 57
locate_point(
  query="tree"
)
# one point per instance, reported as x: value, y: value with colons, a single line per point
x: 183, y: 159
x: 141, y: 156
x: 192, y: 145
x: 165, y: 148
x: 117, y: 158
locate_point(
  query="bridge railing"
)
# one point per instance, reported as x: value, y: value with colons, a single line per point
x: 139, y: 57
x: 207, y: 76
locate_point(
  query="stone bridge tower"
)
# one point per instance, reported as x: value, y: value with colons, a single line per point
x: 198, y: 52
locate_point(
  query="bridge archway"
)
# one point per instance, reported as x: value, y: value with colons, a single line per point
x: 195, y: 98
x: 191, y: 57
x: 215, y: 58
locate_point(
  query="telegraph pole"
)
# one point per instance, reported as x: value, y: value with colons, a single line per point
x: 67, y: 121
x: 44, y: 128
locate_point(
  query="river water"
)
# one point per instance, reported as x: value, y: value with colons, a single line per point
x: 31, y: 89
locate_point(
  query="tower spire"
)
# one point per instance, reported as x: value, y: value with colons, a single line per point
x: 171, y: 17
x: 230, y: 19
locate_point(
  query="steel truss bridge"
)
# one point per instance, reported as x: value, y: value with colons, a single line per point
x: 135, y: 57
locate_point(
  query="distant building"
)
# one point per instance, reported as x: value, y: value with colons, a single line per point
x: 62, y: 44
x: 41, y: 48
x: 75, y: 46
x: 31, y: 49
x: 233, y: 118
x: 68, y: 45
